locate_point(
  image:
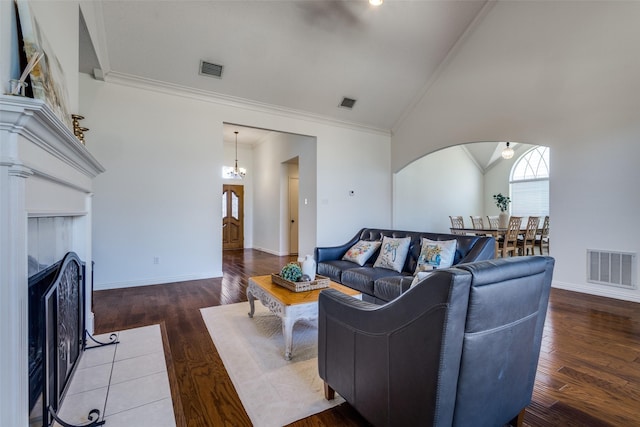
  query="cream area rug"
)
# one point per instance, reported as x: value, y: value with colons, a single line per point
x: 273, y: 391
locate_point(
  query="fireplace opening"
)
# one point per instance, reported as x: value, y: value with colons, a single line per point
x: 56, y: 332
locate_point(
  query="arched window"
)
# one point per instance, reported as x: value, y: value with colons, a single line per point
x: 530, y: 183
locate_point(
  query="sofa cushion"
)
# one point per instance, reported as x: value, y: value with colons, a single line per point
x: 333, y: 269
x: 393, y: 253
x: 389, y: 288
x: 436, y: 254
x: 362, y: 278
x: 361, y: 251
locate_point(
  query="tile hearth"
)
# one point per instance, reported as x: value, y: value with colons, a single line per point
x: 127, y: 382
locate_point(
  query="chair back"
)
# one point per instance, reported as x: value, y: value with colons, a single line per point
x: 456, y: 222
x: 513, y: 229
x: 477, y: 222
x: 532, y: 228
x: 494, y: 221
x: 544, y: 231
x: 502, y: 336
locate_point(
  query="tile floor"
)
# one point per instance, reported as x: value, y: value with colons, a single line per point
x: 127, y: 382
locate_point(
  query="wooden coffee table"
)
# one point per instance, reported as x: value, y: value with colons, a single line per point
x: 288, y: 305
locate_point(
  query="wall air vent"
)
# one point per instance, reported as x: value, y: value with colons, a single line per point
x: 211, y: 69
x: 347, y: 103
x: 612, y: 268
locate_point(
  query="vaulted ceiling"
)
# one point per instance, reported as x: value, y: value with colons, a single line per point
x: 302, y: 56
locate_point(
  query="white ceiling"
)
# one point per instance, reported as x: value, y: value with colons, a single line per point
x: 302, y: 55
x: 299, y: 55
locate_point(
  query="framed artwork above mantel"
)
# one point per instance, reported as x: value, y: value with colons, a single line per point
x: 47, y: 79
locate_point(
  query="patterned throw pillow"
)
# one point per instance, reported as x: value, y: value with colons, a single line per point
x: 393, y: 253
x: 361, y: 251
x: 436, y: 254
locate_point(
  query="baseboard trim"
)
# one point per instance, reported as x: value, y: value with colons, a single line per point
x: 155, y: 281
x: 615, y: 293
x: 269, y: 251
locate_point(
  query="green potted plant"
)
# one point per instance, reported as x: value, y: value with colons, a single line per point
x: 502, y: 202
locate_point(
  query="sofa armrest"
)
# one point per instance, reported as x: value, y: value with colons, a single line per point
x: 330, y: 253
x: 368, y: 318
x: 484, y: 249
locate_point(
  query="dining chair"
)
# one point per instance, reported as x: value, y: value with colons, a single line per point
x: 510, y: 242
x: 456, y: 222
x: 477, y: 221
x: 494, y: 221
x: 528, y: 240
x: 542, y: 236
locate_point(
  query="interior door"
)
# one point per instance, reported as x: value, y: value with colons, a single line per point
x: 293, y: 216
x: 232, y: 217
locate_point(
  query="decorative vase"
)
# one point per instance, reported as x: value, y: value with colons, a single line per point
x: 503, y: 220
x: 309, y: 267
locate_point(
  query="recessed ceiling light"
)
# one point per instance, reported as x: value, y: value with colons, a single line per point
x: 375, y: 2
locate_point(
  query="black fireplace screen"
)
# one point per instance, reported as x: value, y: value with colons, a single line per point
x: 56, y: 331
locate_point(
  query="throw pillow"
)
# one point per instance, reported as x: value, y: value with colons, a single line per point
x: 393, y: 253
x: 361, y: 251
x: 436, y: 254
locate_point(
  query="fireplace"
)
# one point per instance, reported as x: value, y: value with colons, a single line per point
x: 56, y: 331
x: 45, y: 172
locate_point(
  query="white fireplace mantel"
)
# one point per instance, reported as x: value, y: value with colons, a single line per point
x: 44, y: 171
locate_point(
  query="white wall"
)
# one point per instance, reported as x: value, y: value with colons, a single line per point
x: 163, y: 153
x: 272, y: 174
x: 430, y: 189
x: 160, y: 194
x: 560, y: 74
x: 354, y: 162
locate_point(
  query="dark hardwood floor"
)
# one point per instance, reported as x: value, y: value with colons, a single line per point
x: 588, y: 374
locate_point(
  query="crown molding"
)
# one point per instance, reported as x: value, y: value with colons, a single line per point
x: 233, y: 101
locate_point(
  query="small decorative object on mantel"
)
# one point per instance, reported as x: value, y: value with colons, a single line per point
x: 502, y: 202
x: 17, y: 87
x: 78, y: 131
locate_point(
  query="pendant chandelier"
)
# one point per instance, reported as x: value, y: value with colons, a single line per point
x: 507, y: 153
x: 235, y: 172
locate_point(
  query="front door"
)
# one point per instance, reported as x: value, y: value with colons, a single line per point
x: 232, y: 217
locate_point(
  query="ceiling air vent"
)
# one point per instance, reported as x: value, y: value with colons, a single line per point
x: 211, y: 69
x: 347, y: 103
